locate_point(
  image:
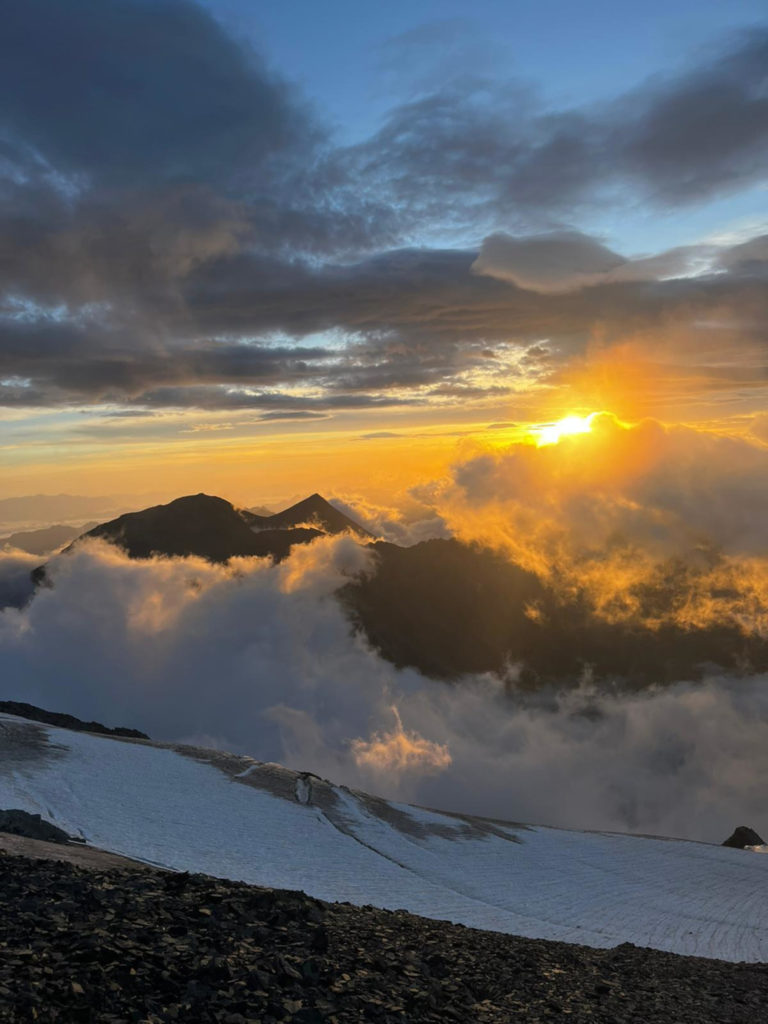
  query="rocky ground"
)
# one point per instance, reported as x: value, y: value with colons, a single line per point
x: 78, y: 944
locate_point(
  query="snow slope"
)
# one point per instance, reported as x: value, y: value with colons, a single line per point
x: 229, y: 816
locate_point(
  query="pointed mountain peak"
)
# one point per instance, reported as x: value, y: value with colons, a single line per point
x: 314, y: 510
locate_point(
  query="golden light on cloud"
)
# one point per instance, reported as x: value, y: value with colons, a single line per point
x: 400, y: 751
x: 551, y: 433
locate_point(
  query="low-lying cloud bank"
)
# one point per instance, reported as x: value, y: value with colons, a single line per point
x: 260, y: 659
x: 16, y: 586
x: 651, y: 523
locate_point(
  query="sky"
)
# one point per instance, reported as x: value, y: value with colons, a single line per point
x: 492, y: 271
x: 268, y: 249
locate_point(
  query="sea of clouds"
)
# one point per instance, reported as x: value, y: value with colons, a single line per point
x: 261, y: 659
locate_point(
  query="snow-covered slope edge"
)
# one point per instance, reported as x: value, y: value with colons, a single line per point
x: 228, y: 816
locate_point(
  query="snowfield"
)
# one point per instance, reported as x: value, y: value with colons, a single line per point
x: 196, y: 810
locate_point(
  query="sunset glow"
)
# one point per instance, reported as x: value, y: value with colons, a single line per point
x: 551, y: 433
x: 384, y: 397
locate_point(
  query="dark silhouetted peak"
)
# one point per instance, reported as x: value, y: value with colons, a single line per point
x: 743, y: 837
x: 202, y: 525
x: 314, y: 510
x: 196, y: 524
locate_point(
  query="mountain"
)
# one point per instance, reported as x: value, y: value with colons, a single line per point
x: 192, y: 809
x: 314, y: 511
x: 445, y: 607
x: 449, y: 609
x: 212, y: 528
x: 44, y: 541
x: 36, y: 714
x: 201, y: 525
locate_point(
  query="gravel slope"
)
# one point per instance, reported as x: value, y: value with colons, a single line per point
x: 150, y: 946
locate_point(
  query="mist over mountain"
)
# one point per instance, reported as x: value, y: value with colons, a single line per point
x: 450, y: 609
x: 259, y: 656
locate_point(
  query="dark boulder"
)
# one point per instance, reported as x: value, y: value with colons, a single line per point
x: 32, y: 826
x: 742, y: 837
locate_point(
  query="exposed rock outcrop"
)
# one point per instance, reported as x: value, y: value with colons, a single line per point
x: 743, y: 837
x: 33, y: 826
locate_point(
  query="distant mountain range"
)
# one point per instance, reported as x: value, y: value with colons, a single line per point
x: 446, y: 608
x: 44, y: 541
x: 35, y: 511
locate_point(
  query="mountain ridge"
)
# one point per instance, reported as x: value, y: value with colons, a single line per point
x: 314, y: 509
x: 211, y: 527
x: 445, y: 607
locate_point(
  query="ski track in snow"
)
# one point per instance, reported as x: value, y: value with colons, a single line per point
x: 157, y: 805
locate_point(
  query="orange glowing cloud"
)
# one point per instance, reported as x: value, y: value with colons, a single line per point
x: 645, y: 521
x: 400, y: 751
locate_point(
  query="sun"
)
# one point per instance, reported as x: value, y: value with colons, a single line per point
x: 551, y: 433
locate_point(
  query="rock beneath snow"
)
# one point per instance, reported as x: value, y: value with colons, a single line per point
x: 32, y: 826
x: 743, y: 837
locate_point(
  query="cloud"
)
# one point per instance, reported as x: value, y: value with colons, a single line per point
x: 414, y: 327
x: 565, y: 261
x: 90, y: 361
x: 399, y: 751
x: 200, y: 108
x: 16, y: 587
x: 288, y: 415
x: 676, y: 761
x: 748, y: 257
x: 405, y: 521
x: 483, y: 152
x: 115, y: 184
x: 262, y: 658
x: 170, y: 242
x: 650, y: 523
